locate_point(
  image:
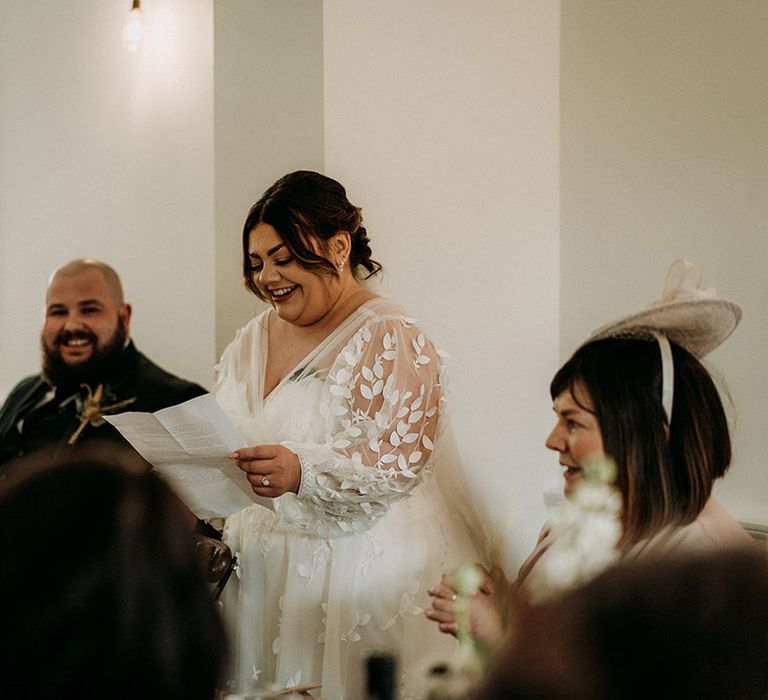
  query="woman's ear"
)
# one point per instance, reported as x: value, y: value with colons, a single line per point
x: 341, y: 244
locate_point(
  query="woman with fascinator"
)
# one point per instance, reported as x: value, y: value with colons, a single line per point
x: 637, y: 393
x: 339, y: 395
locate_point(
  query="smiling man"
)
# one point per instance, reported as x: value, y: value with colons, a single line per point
x: 90, y: 368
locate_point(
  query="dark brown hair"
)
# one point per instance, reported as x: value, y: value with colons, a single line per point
x: 102, y: 593
x: 681, y: 626
x: 664, y: 472
x: 303, y: 207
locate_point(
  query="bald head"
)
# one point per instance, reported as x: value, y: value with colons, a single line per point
x: 85, y: 315
x: 83, y: 266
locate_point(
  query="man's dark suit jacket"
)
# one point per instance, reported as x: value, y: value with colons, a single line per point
x: 50, y: 425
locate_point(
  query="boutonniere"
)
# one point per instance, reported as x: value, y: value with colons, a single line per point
x: 90, y: 409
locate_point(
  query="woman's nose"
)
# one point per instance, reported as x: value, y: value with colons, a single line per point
x: 268, y: 273
x: 556, y: 440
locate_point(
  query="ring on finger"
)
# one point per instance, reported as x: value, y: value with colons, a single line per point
x: 264, y: 480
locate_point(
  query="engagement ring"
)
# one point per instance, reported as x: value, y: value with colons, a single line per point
x: 264, y: 481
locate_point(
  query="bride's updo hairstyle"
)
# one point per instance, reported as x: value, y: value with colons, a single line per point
x: 305, y: 207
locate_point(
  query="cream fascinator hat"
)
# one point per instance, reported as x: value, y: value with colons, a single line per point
x: 686, y: 314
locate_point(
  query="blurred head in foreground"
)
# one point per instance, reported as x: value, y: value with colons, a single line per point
x: 101, y: 592
x: 690, y: 627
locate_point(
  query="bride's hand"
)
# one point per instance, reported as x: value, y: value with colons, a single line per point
x: 272, y: 470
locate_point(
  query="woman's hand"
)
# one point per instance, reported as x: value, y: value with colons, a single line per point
x: 443, y: 610
x: 485, y: 618
x: 272, y: 470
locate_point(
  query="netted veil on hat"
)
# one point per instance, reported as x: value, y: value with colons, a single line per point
x: 688, y: 315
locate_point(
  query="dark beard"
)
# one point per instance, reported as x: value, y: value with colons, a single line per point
x: 103, y: 365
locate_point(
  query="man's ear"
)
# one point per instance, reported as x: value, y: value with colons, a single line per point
x: 125, y: 317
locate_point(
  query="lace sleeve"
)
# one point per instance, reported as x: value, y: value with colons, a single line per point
x: 380, y: 403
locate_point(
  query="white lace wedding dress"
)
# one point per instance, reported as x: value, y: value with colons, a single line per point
x: 341, y: 569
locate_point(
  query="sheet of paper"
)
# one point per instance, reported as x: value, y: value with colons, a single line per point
x: 188, y: 444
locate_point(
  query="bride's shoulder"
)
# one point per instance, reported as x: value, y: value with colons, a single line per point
x: 384, y: 318
x: 245, y: 335
x: 382, y: 309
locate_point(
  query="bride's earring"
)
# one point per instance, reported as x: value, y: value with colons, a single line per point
x: 341, y: 265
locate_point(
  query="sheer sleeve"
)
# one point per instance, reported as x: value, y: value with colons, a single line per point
x: 380, y: 403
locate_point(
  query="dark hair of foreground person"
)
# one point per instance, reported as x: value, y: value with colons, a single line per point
x: 680, y: 627
x: 102, y: 594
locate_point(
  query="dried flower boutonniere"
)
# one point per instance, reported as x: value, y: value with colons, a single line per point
x: 90, y: 410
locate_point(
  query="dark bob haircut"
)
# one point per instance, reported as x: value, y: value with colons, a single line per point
x: 664, y: 472
x: 307, y: 208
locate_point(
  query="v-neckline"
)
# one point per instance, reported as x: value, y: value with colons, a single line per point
x: 304, y: 361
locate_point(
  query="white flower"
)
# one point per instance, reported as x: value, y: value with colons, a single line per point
x: 585, y: 532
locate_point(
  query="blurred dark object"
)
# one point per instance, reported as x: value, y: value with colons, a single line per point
x: 217, y: 560
x: 683, y: 627
x: 449, y: 681
x: 381, y: 674
x: 101, y: 589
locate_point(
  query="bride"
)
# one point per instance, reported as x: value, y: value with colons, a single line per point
x: 338, y: 394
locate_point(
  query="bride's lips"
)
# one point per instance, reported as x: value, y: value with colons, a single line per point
x: 280, y: 298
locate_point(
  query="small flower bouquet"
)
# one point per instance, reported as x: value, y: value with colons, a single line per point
x: 585, y: 532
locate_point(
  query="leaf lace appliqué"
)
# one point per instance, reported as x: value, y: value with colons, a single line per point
x: 408, y: 605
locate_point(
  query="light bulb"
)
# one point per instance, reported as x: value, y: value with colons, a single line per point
x: 134, y: 27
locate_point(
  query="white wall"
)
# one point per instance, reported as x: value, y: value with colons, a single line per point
x: 108, y: 154
x: 441, y: 118
x: 665, y: 155
x: 268, y: 67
